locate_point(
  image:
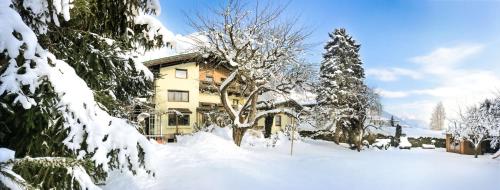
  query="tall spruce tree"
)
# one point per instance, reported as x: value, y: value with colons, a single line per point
x: 66, y: 74
x: 341, y: 85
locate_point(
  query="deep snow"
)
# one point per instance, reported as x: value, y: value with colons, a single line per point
x: 212, y: 161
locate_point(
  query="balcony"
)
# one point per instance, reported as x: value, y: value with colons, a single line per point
x: 213, y: 87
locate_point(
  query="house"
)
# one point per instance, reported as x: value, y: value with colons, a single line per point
x: 185, y: 91
x: 466, y: 147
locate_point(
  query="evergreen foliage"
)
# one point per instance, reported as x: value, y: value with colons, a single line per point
x: 341, y: 88
x: 98, y: 42
x: 397, y: 136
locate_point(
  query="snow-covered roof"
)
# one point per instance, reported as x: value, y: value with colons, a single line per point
x: 171, y: 60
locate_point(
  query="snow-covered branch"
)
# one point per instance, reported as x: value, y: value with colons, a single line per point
x: 263, y: 53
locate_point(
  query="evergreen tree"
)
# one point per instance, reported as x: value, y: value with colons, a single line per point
x: 341, y: 85
x: 66, y: 73
x: 397, y: 135
x: 392, y: 121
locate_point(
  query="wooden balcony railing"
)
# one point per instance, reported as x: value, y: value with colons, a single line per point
x: 213, y: 87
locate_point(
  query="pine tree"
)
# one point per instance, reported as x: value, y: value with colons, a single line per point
x: 341, y: 84
x: 392, y: 121
x: 397, y: 135
x: 66, y: 73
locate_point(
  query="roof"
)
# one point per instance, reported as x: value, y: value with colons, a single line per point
x: 182, y: 58
x: 171, y: 60
x: 287, y: 103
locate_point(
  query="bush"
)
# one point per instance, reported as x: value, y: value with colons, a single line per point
x: 415, y: 142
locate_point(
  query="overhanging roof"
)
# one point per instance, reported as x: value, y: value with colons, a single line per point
x: 172, y: 60
x: 181, y: 59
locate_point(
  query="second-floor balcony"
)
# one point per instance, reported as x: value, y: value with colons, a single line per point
x: 213, y: 87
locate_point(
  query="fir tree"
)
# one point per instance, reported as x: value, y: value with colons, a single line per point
x: 341, y: 85
x: 392, y: 121
x: 397, y: 135
x: 66, y: 70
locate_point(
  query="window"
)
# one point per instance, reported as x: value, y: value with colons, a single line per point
x: 209, y: 78
x: 236, y: 102
x: 178, y: 96
x: 181, y: 73
x: 277, y: 120
x: 181, y: 119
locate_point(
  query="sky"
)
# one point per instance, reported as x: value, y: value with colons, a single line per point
x: 416, y: 53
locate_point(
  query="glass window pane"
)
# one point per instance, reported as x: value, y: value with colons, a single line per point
x: 171, y: 96
x: 209, y: 78
x: 184, y: 120
x: 179, y: 73
x: 178, y: 96
x: 171, y: 119
x: 185, y: 96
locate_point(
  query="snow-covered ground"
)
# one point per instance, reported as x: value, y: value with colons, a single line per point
x: 212, y: 161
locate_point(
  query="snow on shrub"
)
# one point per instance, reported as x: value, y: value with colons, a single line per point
x: 109, y: 142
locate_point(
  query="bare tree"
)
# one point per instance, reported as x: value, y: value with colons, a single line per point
x: 369, y: 102
x: 474, y: 126
x: 438, y: 117
x: 262, y: 52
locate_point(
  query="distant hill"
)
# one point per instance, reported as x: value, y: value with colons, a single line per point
x: 406, y: 121
x: 411, y: 127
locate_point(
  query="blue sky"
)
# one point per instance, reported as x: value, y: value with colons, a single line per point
x: 416, y: 52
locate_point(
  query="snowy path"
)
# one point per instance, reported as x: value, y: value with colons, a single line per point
x: 206, y: 161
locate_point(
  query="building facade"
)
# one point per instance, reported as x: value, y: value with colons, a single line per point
x: 185, y: 92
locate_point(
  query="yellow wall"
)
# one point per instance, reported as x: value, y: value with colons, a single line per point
x: 285, y: 120
x: 168, y: 81
x: 210, y: 98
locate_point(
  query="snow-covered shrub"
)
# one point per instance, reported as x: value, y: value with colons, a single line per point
x: 382, y: 143
x: 215, y: 117
x: 478, y: 124
x: 404, y: 143
x: 291, y: 132
x: 63, y: 79
x: 253, y: 138
x: 428, y: 146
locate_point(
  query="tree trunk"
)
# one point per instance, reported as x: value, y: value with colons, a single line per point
x: 476, y: 150
x: 268, y: 125
x: 238, y: 133
x: 360, y: 138
x: 336, y: 135
x: 351, y: 138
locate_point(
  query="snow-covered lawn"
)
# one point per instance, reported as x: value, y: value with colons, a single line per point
x: 209, y: 161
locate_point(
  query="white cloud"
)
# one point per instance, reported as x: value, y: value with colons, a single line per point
x: 457, y: 85
x: 180, y: 44
x: 392, y: 74
x: 419, y: 110
x: 391, y: 94
x: 443, y: 59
